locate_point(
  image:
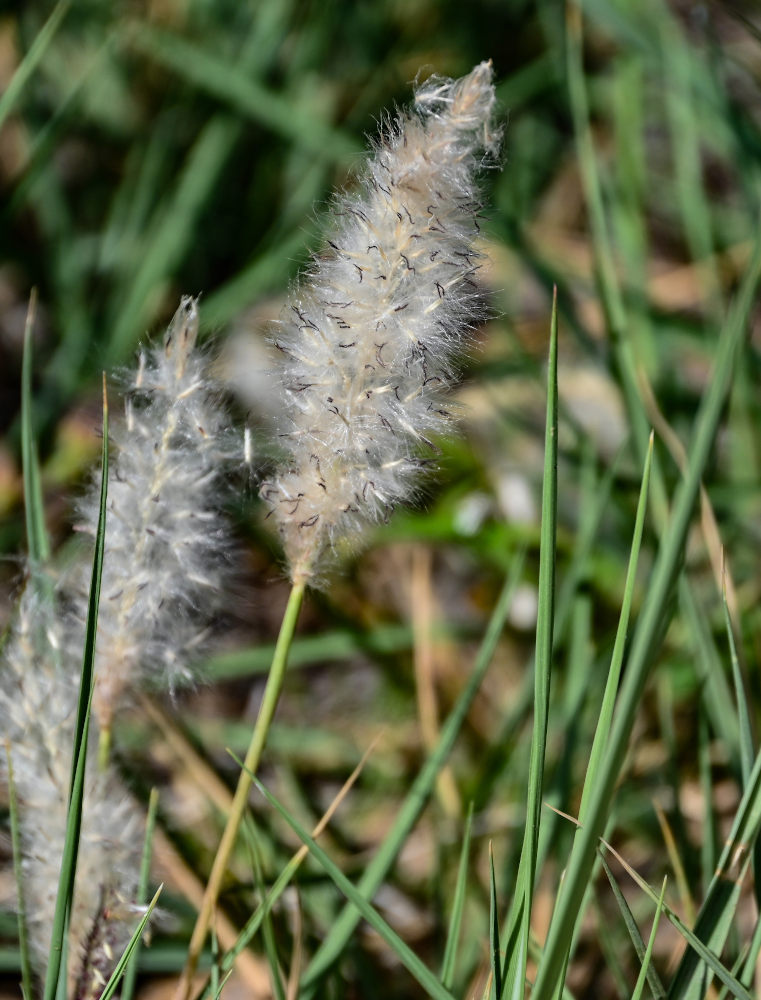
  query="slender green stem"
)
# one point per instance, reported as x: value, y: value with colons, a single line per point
x: 250, y: 765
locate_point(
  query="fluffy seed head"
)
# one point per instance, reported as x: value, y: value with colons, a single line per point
x: 165, y: 548
x: 38, y: 703
x: 370, y: 335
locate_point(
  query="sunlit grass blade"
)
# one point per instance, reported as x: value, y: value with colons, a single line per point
x: 32, y: 59
x: 417, y: 796
x: 121, y: 965
x: 36, y: 533
x: 458, y: 905
x: 648, y: 634
x: 517, y: 938
x: 23, y: 937
x: 403, y: 952
x: 656, y: 986
x: 130, y: 974
x: 717, y: 912
x: 645, y: 972
x: 56, y: 970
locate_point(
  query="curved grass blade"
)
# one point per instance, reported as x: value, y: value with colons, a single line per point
x: 130, y: 974
x: 644, y: 972
x: 403, y: 952
x: 519, y: 918
x: 458, y: 905
x: 55, y: 977
x: 36, y: 533
x: 23, y: 938
x: 134, y: 941
x: 416, y: 798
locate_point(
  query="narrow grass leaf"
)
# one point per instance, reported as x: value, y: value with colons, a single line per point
x: 717, y: 912
x: 517, y: 940
x: 747, y: 752
x: 128, y: 953
x: 602, y: 730
x: 403, y: 952
x: 268, y: 932
x: 130, y: 973
x: 23, y: 937
x: 656, y: 986
x: 32, y: 59
x: 417, y: 796
x: 644, y: 972
x: 36, y: 533
x: 58, y: 956
x: 704, y: 953
x: 55, y: 978
x: 647, y: 639
x: 496, y: 958
x: 458, y: 905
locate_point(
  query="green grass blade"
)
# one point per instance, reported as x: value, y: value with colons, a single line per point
x: 517, y: 939
x: 130, y: 974
x: 268, y: 931
x: 602, y: 730
x: 23, y: 937
x: 56, y: 971
x: 644, y: 972
x: 403, y: 952
x: 648, y: 635
x: 32, y: 59
x: 656, y: 986
x: 36, y: 533
x: 494, y: 953
x: 458, y: 905
x: 415, y: 799
x: 717, y: 912
x: 703, y: 953
x: 134, y: 941
x: 747, y: 752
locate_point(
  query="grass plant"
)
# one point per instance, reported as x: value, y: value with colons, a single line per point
x: 565, y: 623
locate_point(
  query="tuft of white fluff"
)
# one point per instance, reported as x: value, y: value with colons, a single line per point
x: 166, y: 548
x: 38, y: 703
x: 370, y: 335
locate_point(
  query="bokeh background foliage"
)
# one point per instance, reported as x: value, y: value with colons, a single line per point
x: 153, y: 149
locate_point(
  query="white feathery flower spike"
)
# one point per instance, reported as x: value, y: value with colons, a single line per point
x: 165, y: 549
x: 38, y: 703
x: 371, y: 333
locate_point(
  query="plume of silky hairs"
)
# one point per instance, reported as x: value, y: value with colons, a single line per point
x: 166, y: 548
x: 369, y: 337
x: 165, y: 557
x: 38, y: 702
